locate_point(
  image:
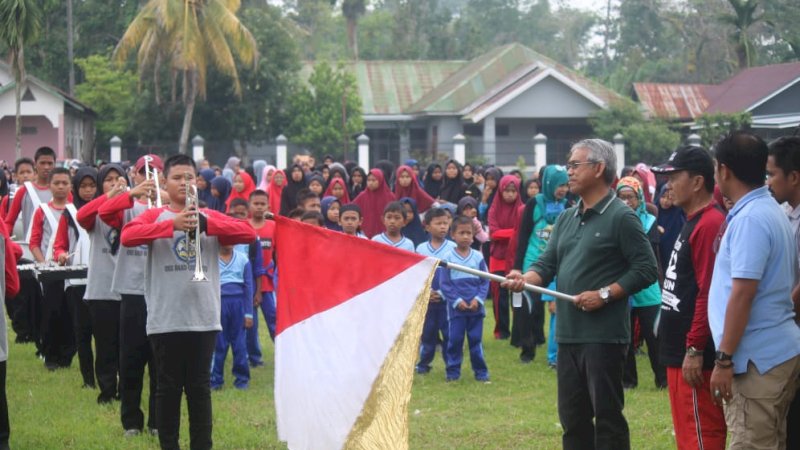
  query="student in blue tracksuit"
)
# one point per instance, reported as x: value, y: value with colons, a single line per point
x: 437, y: 223
x: 465, y: 295
x: 236, y: 279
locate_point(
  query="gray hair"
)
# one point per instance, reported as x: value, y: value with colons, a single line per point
x: 600, y: 151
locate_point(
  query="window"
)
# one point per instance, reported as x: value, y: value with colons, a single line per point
x: 502, y: 130
x: 28, y: 96
x: 474, y: 130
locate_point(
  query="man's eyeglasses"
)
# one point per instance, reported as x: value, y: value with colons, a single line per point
x: 574, y: 165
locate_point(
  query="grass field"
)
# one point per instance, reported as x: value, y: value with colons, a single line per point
x: 49, y: 410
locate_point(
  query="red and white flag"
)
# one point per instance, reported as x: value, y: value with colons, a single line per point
x: 349, y: 319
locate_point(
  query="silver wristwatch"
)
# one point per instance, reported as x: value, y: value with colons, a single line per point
x: 605, y: 294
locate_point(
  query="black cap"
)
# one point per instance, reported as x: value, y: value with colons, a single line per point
x: 691, y: 158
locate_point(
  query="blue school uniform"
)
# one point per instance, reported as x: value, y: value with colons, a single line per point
x: 404, y: 243
x: 436, y: 316
x: 236, y: 279
x: 254, y: 253
x: 459, y: 287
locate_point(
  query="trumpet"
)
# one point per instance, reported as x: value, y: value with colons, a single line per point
x: 151, y: 173
x: 193, y: 237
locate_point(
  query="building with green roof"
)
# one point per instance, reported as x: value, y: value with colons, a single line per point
x: 499, y: 101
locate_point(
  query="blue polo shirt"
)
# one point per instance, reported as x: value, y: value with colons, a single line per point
x: 758, y: 244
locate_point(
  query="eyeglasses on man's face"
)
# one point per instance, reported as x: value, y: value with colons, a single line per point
x: 573, y: 165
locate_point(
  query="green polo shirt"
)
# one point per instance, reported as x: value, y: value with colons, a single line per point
x: 589, y: 250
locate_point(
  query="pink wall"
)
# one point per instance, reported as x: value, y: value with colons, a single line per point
x: 45, y: 135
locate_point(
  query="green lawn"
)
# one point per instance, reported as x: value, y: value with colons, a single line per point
x: 49, y: 410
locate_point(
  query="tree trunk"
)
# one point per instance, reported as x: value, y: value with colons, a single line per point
x: 157, y: 79
x: 18, y: 129
x: 352, y: 37
x: 190, y: 96
x: 70, y: 44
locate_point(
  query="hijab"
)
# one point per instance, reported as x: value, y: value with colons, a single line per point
x: 223, y: 186
x: 275, y: 192
x: 249, y: 187
x: 290, y: 190
x: 464, y: 202
x: 114, y: 237
x: 414, y: 230
x: 387, y: 167
x: 504, y: 215
x: 329, y: 191
x: 357, y: 189
x: 648, y: 183
x: 232, y: 163
x: 433, y: 187
x: 264, y: 182
x: 205, y: 194
x: 327, y: 202
x: 553, y: 176
x: 372, y: 204
x: 82, y: 173
x: 337, y: 168
x: 646, y: 218
x: 414, y: 191
x: 258, y: 170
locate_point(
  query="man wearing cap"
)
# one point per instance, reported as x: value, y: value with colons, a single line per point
x: 128, y: 282
x: 601, y: 255
x: 750, y: 309
x: 685, y: 344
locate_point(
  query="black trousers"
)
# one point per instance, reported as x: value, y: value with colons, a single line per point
x: 647, y: 319
x: 134, y: 354
x: 82, y: 325
x: 105, y: 326
x: 524, y: 320
x: 793, y: 423
x: 21, y: 309
x: 5, y: 428
x: 591, y: 398
x: 183, y: 364
x: 502, y: 326
x: 58, y: 336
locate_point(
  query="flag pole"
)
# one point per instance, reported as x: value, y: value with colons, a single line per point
x: 489, y: 276
x: 500, y: 279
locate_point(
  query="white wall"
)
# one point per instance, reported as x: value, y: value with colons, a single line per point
x: 550, y: 99
x: 46, y: 104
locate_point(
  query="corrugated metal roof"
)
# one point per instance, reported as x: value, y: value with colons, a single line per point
x: 452, y: 87
x: 740, y: 93
x: 672, y: 101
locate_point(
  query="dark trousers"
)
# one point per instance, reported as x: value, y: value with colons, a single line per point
x: 253, y: 345
x: 134, y: 354
x: 472, y: 328
x: 434, y: 325
x: 502, y: 325
x: 58, y: 336
x: 82, y: 327
x: 5, y: 428
x: 590, y: 388
x: 105, y: 326
x: 21, y: 309
x: 524, y: 321
x: 793, y: 423
x: 183, y: 360
x: 647, y: 319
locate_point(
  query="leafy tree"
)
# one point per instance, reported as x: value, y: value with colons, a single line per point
x: 110, y: 92
x: 711, y: 127
x: 352, y: 10
x: 645, y: 140
x: 742, y: 20
x: 193, y: 36
x: 326, y: 114
x: 20, y: 23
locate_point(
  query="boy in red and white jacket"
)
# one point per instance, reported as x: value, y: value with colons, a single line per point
x: 183, y: 315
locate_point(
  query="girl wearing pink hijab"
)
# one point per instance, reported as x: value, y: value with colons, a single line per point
x: 406, y: 185
x: 372, y: 201
x: 266, y: 177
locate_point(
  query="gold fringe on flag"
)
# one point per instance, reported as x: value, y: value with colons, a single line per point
x: 383, y: 423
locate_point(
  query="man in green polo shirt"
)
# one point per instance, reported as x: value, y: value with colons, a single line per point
x: 601, y: 255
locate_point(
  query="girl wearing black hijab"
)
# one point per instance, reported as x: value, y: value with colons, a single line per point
x: 434, y: 180
x: 295, y: 181
x: 357, y: 182
x: 453, y: 188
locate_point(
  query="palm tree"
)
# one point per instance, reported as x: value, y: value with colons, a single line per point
x: 189, y: 35
x: 743, y: 17
x: 20, y: 22
x: 352, y: 10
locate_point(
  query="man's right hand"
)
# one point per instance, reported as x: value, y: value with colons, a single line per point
x: 693, y: 370
x: 515, y: 281
x: 185, y: 220
x: 146, y: 188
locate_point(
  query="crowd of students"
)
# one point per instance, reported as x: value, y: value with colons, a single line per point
x: 141, y: 308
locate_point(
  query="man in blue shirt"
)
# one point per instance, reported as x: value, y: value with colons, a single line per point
x: 750, y: 310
